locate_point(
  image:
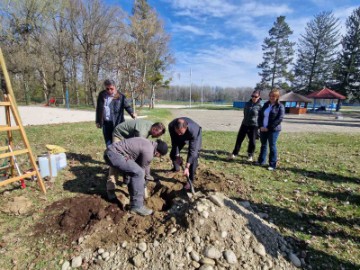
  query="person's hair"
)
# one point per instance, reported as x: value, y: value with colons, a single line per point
x: 109, y: 82
x: 181, y: 123
x: 162, y: 147
x: 159, y: 126
x: 276, y: 93
x: 256, y: 92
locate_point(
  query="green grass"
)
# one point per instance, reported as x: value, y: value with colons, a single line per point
x: 313, y: 196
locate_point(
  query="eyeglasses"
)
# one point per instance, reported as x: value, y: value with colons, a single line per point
x: 254, y: 96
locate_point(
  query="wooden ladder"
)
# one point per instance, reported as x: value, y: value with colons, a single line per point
x: 9, y: 103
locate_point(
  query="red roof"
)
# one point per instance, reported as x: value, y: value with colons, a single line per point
x: 326, y: 93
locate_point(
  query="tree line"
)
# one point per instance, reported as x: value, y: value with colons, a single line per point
x: 323, y: 58
x: 52, y: 47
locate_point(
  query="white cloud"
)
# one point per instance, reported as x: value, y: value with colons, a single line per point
x: 258, y: 9
x: 180, y: 28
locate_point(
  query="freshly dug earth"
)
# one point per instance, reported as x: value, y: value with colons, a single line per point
x: 207, y: 231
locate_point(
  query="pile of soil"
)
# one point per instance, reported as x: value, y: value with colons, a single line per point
x: 206, y: 231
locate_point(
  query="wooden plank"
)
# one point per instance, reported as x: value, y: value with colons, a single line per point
x: 14, y: 153
x: 17, y: 178
x: 4, y: 168
x: 7, y: 128
x: 4, y: 148
x: 4, y: 103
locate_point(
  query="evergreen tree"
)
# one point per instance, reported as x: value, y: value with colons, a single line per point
x: 348, y: 73
x: 317, y: 53
x: 277, y: 55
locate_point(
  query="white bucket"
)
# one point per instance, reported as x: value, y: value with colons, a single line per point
x: 47, y: 168
x: 61, y: 161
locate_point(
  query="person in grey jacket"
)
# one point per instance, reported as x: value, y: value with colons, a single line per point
x: 182, y: 131
x: 133, y: 157
x: 270, y: 118
x: 249, y: 126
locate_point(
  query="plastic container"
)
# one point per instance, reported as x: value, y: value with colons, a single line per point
x: 61, y: 162
x: 46, y: 166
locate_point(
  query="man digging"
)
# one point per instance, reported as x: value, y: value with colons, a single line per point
x: 133, y: 157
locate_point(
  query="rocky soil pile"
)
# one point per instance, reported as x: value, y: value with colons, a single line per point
x: 210, y: 231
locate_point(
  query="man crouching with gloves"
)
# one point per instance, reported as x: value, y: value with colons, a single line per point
x: 133, y: 157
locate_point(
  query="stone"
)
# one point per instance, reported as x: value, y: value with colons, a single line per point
x: 124, y: 244
x: 189, y: 249
x: 207, y: 261
x: 205, y: 214
x: 206, y: 267
x: 260, y: 249
x: 197, y: 239
x: 76, y: 262
x: 80, y: 240
x: 212, y: 252
x: 224, y: 234
x: 201, y: 222
x: 212, y: 208
x: 230, y: 257
x: 194, y: 256
x: 65, y: 265
x: 195, y: 264
x: 173, y: 230
x: 245, y: 204
x: 105, y: 255
x: 142, y: 246
x: 156, y: 243
x: 100, y: 251
x: 216, y: 200
x: 201, y: 207
x: 138, y: 260
x: 295, y: 260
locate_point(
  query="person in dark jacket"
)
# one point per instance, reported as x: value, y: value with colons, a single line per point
x: 249, y: 126
x: 270, y: 118
x: 110, y: 110
x: 133, y: 157
x: 182, y: 131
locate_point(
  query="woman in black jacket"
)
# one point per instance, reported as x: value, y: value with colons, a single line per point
x: 249, y: 126
x: 270, y: 118
x: 110, y: 110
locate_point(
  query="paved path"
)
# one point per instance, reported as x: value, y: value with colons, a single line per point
x: 230, y: 120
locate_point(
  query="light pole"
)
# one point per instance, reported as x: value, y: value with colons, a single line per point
x: 190, y: 87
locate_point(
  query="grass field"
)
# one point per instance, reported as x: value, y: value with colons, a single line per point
x: 313, y: 197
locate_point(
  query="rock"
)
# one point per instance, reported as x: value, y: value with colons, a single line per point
x: 216, y: 200
x: 100, y: 251
x: 263, y: 215
x: 245, y: 204
x: 224, y: 234
x: 260, y: 249
x: 195, y: 256
x: 124, y: 244
x: 201, y: 222
x: 206, y: 267
x: 205, y: 214
x: 80, y: 240
x: 142, y: 246
x: 295, y: 260
x: 212, y: 252
x: 76, y: 262
x: 201, y: 207
x: 195, y: 264
x: 172, y: 230
x: 138, y: 260
x: 197, y: 239
x: 230, y: 257
x: 189, y: 249
x: 207, y: 261
x: 156, y: 243
x: 105, y: 255
x: 212, y: 208
x: 65, y: 265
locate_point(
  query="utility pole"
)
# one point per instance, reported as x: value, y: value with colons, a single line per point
x: 190, y: 87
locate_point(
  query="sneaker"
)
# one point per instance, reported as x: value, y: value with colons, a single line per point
x: 142, y: 211
x: 271, y: 169
x: 250, y: 159
x: 231, y: 157
x: 111, y: 195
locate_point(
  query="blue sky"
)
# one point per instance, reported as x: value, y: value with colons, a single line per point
x: 220, y: 40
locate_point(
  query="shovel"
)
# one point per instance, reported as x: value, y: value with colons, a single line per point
x: 189, y: 181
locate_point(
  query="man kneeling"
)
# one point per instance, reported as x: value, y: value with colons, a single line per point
x: 133, y: 157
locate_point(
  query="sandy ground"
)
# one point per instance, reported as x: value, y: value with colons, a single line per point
x: 225, y: 120
x: 228, y: 120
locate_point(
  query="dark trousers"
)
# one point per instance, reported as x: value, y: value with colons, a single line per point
x: 193, y: 166
x: 129, y: 167
x: 271, y: 138
x: 108, y: 128
x: 251, y: 132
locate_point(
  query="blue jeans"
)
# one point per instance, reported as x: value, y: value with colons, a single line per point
x: 108, y: 128
x: 271, y: 137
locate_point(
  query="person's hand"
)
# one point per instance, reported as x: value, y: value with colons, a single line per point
x: 97, y: 125
x: 186, y: 172
x: 134, y: 115
x: 263, y: 129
